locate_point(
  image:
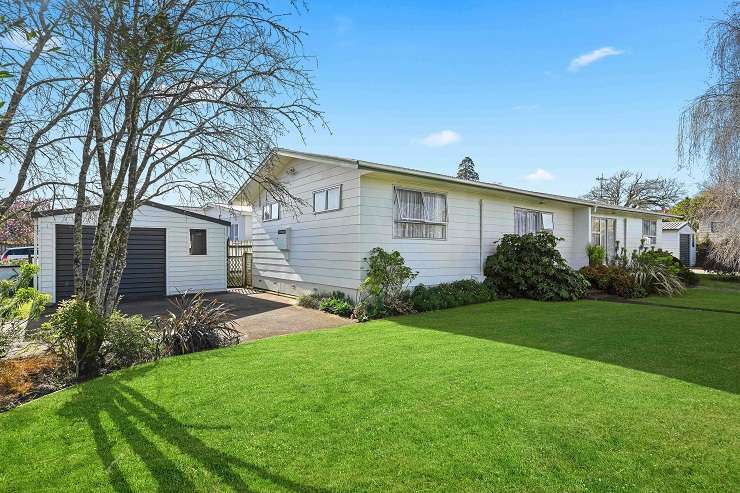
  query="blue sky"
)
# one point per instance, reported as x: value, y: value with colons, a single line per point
x: 423, y: 84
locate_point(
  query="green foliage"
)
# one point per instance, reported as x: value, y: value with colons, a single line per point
x: 689, y: 209
x: 128, y: 340
x: 311, y: 300
x: 337, y: 306
x: 672, y: 264
x: 74, y: 332
x: 19, y: 303
x: 449, y: 295
x: 196, y: 323
x: 530, y: 266
x: 383, y: 292
x: 613, y: 279
x: 596, y: 255
x: 655, y: 275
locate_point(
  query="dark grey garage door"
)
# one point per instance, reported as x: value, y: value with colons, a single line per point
x: 685, y: 249
x: 144, y: 275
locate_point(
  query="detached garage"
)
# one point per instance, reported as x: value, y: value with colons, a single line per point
x: 170, y: 251
x: 679, y: 238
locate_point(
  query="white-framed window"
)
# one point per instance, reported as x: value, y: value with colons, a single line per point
x: 419, y: 215
x: 234, y: 232
x: 329, y: 199
x: 604, y: 234
x: 650, y: 230
x: 271, y: 212
x: 532, y: 221
x: 198, y: 242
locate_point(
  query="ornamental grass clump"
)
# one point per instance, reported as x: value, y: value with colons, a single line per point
x: 197, y: 323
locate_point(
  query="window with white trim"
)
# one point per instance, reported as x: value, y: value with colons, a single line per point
x: 329, y: 199
x: 234, y: 232
x: 271, y: 212
x: 419, y: 215
x: 650, y: 231
x: 532, y: 221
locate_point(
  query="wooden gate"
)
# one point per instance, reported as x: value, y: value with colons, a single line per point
x: 239, y: 264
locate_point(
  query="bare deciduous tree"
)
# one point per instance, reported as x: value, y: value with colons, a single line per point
x: 709, y: 135
x: 177, y: 96
x: 40, y: 100
x: 630, y: 189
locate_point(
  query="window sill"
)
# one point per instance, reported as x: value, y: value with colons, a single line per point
x: 327, y: 210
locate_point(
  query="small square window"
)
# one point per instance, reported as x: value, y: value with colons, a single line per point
x: 271, y: 212
x: 198, y: 242
x: 327, y: 200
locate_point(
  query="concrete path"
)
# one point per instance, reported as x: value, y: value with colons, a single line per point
x: 256, y: 314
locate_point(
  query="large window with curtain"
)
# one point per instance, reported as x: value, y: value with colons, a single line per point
x: 418, y: 214
x: 650, y: 231
x: 604, y: 234
x: 531, y: 221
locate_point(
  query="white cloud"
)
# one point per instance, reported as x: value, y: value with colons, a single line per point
x: 540, y: 175
x: 588, y: 58
x: 443, y: 138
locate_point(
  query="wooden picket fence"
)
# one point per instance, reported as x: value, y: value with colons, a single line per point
x: 239, y: 264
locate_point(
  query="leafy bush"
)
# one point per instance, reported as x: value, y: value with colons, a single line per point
x: 530, y: 266
x: 622, y: 283
x: 337, y: 306
x: 128, y: 340
x: 384, y: 290
x: 19, y: 303
x: 449, y: 295
x: 311, y: 300
x: 596, y: 255
x: 72, y: 332
x: 196, y: 324
x: 614, y: 280
x: 336, y: 302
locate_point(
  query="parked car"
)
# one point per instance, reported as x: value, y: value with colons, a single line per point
x: 18, y: 253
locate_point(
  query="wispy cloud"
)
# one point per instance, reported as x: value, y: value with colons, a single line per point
x: 594, y: 56
x: 443, y: 138
x: 540, y: 175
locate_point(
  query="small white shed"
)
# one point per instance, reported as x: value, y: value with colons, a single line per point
x: 679, y: 238
x: 170, y: 251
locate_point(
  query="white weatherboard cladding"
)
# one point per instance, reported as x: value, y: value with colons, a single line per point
x: 184, y: 272
x: 671, y: 242
x: 327, y: 250
x: 323, y: 253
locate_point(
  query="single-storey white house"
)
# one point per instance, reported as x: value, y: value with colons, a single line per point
x: 444, y: 227
x: 679, y: 238
x: 240, y: 217
x: 170, y: 251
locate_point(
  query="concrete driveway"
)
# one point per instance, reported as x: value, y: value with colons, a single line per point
x: 256, y: 314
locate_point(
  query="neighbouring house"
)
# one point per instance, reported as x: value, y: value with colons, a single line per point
x: 444, y: 227
x: 679, y: 238
x: 170, y: 251
x: 239, y: 216
x: 711, y: 227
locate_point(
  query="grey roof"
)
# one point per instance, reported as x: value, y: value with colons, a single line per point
x: 156, y: 205
x: 436, y: 176
x: 673, y: 225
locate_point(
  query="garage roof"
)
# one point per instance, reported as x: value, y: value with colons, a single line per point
x: 156, y: 205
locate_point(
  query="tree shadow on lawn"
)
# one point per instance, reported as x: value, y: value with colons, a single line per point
x: 138, y: 420
x: 696, y: 347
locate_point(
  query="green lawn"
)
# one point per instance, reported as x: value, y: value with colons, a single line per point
x: 709, y: 295
x: 505, y: 396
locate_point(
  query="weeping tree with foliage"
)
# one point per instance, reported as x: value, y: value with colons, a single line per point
x: 709, y: 136
x: 466, y: 170
x: 178, y: 97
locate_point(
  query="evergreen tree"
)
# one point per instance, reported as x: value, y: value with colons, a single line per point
x: 466, y: 170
